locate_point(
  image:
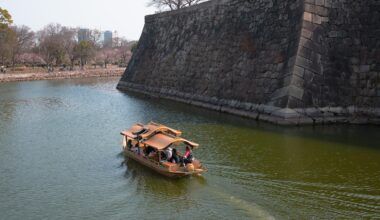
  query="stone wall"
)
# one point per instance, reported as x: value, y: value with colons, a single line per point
x: 338, y: 62
x: 284, y: 61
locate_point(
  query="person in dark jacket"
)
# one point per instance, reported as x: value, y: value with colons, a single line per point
x: 175, y: 157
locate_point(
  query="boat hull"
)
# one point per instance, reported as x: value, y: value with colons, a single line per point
x: 158, y: 166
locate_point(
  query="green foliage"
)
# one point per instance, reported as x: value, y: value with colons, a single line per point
x: 85, y: 50
x: 5, y: 18
x: 7, y: 41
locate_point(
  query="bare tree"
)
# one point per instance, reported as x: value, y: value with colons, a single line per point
x: 124, y: 54
x: 107, y: 55
x: 119, y: 41
x: 98, y: 59
x: 50, y: 45
x: 69, y: 43
x: 173, y: 4
x: 23, y: 43
x: 95, y: 38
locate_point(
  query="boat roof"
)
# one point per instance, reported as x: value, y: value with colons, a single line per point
x: 161, y: 141
x: 146, y: 131
x: 153, y: 128
x: 132, y: 132
x: 156, y: 135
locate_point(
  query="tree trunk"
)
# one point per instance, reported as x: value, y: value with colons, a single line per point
x: 13, y: 62
x: 81, y: 64
x: 71, y: 65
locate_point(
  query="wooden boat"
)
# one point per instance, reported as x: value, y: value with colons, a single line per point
x: 140, y: 138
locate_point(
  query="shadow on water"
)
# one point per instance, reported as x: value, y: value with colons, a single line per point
x: 92, y: 81
x: 354, y: 135
x: 121, y: 155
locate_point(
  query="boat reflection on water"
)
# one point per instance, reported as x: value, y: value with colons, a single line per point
x: 151, y: 182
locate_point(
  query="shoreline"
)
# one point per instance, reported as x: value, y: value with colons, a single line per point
x: 86, y: 73
x: 275, y: 115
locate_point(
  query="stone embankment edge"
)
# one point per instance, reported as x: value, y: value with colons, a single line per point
x: 266, y: 113
x: 60, y: 75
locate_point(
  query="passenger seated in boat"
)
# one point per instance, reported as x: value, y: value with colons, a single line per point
x: 175, y: 157
x: 187, y: 157
x: 163, y: 156
x: 152, y: 153
x: 134, y: 149
x: 129, y: 144
x: 149, y: 150
x: 168, y: 153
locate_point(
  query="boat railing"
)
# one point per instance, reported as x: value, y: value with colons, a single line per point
x: 146, y: 158
x: 154, y: 162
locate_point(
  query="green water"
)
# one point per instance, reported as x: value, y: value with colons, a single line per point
x: 60, y: 158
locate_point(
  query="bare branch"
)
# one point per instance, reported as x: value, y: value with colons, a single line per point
x: 173, y: 4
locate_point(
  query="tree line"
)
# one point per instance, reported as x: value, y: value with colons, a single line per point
x: 57, y: 46
x: 173, y: 4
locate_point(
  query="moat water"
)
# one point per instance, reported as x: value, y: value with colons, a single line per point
x: 60, y: 158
